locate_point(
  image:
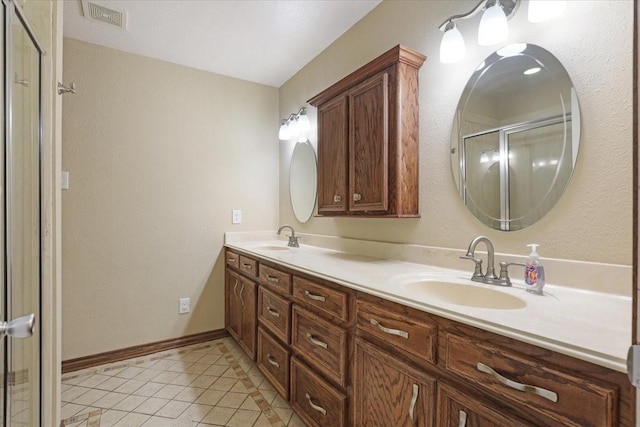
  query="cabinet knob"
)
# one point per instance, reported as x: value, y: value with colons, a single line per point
x: 337, y: 199
x: 357, y: 197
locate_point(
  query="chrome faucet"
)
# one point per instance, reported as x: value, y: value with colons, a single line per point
x: 293, y: 239
x: 490, y: 276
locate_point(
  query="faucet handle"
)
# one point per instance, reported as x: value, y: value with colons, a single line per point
x: 504, y: 271
x: 478, y: 262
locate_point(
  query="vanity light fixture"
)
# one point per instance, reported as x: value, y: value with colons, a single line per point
x: 493, y: 27
x: 296, y: 125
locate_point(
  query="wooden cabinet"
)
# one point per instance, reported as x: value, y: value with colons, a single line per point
x: 240, y: 305
x: 349, y: 358
x: 388, y: 392
x: 368, y: 139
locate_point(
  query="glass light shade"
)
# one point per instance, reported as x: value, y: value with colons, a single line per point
x: 545, y: 10
x: 452, y: 48
x: 493, y: 26
x: 304, y: 124
x: 294, y: 129
x: 284, y: 133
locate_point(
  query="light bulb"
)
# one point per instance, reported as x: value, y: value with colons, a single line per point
x: 545, y: 10
x: 493, y: 26
x: 283, y: 133
x: 452, y: 48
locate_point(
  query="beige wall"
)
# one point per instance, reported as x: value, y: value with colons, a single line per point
x: 593, y: 39
x: 158, y: 156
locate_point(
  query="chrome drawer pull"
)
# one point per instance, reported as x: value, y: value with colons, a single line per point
x: 273, y: 312
x: 272, y: 278
x: 547, y: 394
x: 337, y: 199
x: 241, y: 292
x: 235, y: 289
x: 357, y: 197
x: 412, y: 406
x: 231, y: 260
x: 314, y: 296
x: 246, y: 265
x: 314, y: 406
x: 398, y: 332
x: 272, y: 361
x: 463, y: 419
x: 316, y: 341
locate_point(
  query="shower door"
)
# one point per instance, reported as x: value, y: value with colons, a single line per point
x: 20, y: 231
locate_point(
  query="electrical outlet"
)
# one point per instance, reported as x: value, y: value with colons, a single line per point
x: 236, y: 216
x: 185, y: 305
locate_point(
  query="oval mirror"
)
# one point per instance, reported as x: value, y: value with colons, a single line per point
x: 303, y: 184
x: 515, y: 137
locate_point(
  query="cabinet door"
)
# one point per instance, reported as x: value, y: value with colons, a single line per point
x: 234, y: 309
x: 248, y: 323
x: 369, y: 145
x: 389, y: 393
x: 332, y: 156
x: 456, y: 409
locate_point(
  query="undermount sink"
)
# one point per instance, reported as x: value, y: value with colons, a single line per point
x: 273, y: 248
x: 466, y: 295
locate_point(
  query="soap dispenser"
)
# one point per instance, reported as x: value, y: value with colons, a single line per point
x: 534, y: 272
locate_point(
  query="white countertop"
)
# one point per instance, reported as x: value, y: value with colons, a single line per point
x: 592, y: 326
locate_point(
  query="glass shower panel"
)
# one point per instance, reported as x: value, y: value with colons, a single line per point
x: 23, y: 223
x: 482, y: 175
x: 536, y: 161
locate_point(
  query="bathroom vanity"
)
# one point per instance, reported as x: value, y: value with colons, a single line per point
x: 352, y: 340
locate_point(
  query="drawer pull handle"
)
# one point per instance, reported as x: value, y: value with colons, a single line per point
x: 314, y: 296
x: 337, y: 199
x: 463, y: 419
x: 273, y: 312
x: 241, y: 292
x: 412, y: 406
x: 231, y: 260
x: 316, y: 341
x: 235, y: 289
x: 246, y: 265
x: 357, y: 197
x: 398, y: 332
x: 272, y: 278
x: 272, y: 361
x: 314, y: 406
x: 547, y: 394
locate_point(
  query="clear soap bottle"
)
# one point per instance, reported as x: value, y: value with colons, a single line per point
x: 534, y: 272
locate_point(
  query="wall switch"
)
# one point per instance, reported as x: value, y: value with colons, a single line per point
x: 185, y: 305
x: 64, y: 180
x: 236, y: 216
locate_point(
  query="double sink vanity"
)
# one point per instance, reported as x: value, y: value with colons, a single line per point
x: 353, y: 339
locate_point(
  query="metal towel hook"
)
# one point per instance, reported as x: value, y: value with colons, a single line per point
x: 62, y: 89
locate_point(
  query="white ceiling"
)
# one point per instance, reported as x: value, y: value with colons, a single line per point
x: 263, y: 41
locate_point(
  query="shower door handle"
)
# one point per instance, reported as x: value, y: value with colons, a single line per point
x: 22, y: 327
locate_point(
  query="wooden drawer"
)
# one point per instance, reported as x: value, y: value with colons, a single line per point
x: 248, y: 265
x: 569, y: 401
x: 232, y: 259
x: 322, y: 343
x: 458, y: 409
x: 274, y: 313
x: 316, y: 402
x: 400, y: 327
x: 330, y: 301
x: 275, y: 279
x: 273, y: 361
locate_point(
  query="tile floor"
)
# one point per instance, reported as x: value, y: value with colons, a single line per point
x: 212, y: 383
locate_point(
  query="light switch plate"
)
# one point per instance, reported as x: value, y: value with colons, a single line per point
x: 236, y: 216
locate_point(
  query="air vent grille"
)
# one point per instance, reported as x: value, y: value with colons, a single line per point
x: 104, y: 14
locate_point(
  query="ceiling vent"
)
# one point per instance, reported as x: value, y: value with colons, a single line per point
x: 95, y: 12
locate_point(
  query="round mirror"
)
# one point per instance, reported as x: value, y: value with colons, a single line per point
x: 515, y: 137
x: 303, y: 184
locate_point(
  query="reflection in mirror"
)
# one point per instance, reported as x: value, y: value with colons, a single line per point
x: 303, y: 184
x: 515, y: 137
